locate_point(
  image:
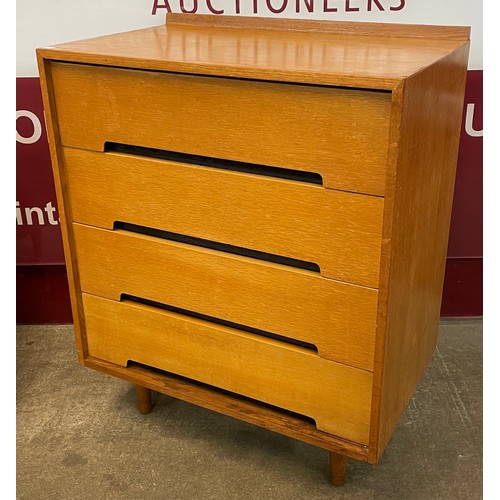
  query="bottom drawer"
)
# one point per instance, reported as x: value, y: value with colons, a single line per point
x: 336, y: 396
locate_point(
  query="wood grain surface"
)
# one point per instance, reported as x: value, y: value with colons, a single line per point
x: 278, y: 299
x: 63, y: 203
x: 341, y: 232
x: 245, y: 409
x: 336, y: 396
x: 333, y: 55
x: 342, y: 134
x: 428, y: 32
x: 417, y: 222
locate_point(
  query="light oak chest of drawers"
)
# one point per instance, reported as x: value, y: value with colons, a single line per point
x: 255, y: 214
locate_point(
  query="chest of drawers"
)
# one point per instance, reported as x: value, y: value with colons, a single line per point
x: 255, y: 214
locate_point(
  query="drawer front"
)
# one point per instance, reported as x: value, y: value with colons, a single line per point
x: 337, y: 397
x: 338, y: 231
x: 338, y: 318
x: 341, y: 134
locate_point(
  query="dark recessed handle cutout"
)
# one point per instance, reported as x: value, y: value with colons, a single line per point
x: 206, y: 161
x: 185, y: 312
x: 221, y: 247
x: 234, y: 395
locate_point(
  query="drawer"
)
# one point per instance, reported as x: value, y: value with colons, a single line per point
x: 341, y: 134
x: 337, y: 397
x: 338, y: 318
x: 339, y: 232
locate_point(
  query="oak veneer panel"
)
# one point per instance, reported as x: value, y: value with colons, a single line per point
x: 278, y: 299
x: 342, y: 134
x: 341, y: 232
x: 232, y: 405
x: 331, y: 53
x: 338, y: 397
x: 421, y: 181
x: 63, y: 204
x: 358, y: 29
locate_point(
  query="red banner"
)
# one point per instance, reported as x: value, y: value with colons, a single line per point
x: 466, y: 236
x: 38, y: 236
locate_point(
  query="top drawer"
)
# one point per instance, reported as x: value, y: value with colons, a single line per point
x: 341, y: 134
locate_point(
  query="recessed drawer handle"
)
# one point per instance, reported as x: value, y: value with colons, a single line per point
x: 214, y: 245
x: 255, y: 331
x: 206, y: 161
x: 213, y: 389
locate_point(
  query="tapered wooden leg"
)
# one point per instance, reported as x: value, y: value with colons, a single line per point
x: 338, y: 465
x: 144, y: 401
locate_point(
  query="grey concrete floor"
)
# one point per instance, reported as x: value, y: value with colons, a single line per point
x: 80, y: 436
